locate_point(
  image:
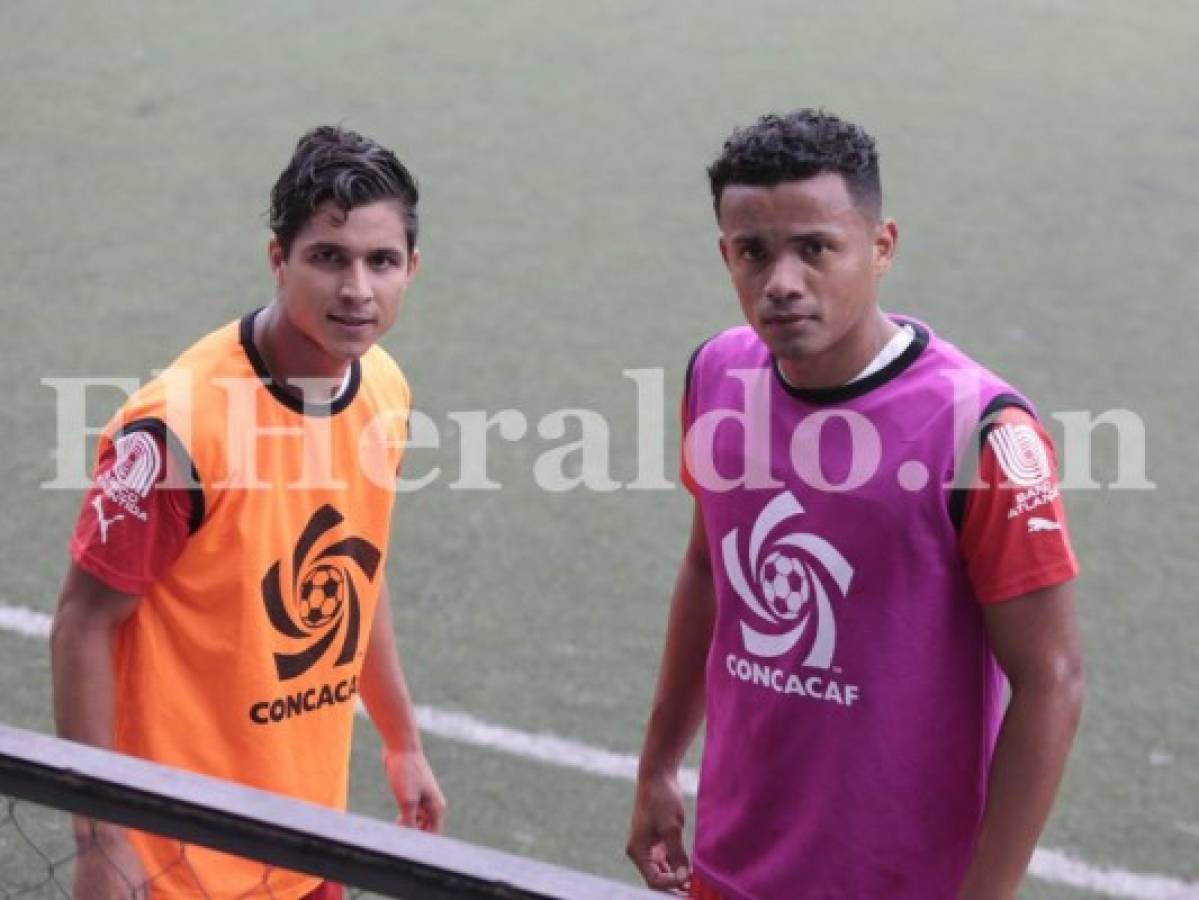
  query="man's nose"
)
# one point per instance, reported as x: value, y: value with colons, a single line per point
x: 356, y: 284
x: 786, y: 281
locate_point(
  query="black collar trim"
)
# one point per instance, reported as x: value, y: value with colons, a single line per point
x: 920, y: 340
x: 291, y: 401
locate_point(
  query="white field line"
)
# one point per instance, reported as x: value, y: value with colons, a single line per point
x: 547, y: 748
x: 25, y: 622
x: 1047, y: 865
x: 1058, y: 867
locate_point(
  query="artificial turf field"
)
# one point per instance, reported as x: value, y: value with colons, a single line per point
x: 1041, y: 158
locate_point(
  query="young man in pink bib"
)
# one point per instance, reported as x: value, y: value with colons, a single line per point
x: 878, y: 540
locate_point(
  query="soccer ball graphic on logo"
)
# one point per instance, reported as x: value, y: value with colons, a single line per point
x: 321, y: 595
x: 785, y: 585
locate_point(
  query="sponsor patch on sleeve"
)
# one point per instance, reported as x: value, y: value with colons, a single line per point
x: 133, y: 475
x: 1021, y: 454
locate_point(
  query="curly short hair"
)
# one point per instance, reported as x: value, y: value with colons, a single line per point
x: 334, y: 163
x: 797, y: 146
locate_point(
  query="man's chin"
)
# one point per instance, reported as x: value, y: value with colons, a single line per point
x: 346, y: 350
x: 790, y: 350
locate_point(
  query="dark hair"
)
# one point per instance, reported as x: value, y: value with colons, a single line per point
x: 797, y: 146
x: 333, y: 163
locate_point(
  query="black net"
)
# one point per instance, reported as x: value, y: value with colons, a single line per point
x: 37, y: 851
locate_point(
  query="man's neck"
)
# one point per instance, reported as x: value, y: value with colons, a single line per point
x: 840, y: 363
x: 291, y: 368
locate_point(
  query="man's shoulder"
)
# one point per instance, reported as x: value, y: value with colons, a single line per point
x: 380, y: 366
x: 211, y: 352
x: 957, y: 374
x: 739, y: 337
x: 738, y: 345
x: 377, y: 359
x: 381, y: 374
x: 174, y: 390
x: 942, y: 352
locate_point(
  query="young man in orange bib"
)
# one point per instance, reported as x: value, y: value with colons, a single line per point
x: 226, y: 602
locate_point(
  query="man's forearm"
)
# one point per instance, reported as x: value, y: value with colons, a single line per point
x: 84, y: 704
x: 678, y: 705
x: 1030, y: 758
x: 656, y: 844
x: 385, y: 693
x: 82, y: 641
x: 81, y: 663
x: 674, y: 720
x: 384, y: 688
x: 390, y: 708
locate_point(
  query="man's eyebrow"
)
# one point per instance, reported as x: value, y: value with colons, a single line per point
x: 399, y: 249
x: 746, y: 237
x: 822, y: 232
x: 830, y: 233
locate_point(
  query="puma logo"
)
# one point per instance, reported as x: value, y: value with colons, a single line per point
x: 98, y: 505
x: 1036, y: 524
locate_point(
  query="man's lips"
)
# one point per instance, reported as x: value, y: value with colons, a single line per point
x: 351, y: 321
x: 788, y: 318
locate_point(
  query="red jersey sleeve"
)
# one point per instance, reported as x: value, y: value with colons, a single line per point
x: 685, y: 476
x: 134, y: 520
x: 1013, y: 536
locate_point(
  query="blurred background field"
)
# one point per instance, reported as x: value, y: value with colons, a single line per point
x: 1041, y: 157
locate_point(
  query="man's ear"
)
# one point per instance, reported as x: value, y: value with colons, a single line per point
x: 276, y: 259
x: 886, y: 239
x: 414, y: 262
x: 723, y: 245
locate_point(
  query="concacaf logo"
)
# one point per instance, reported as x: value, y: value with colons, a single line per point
x: 324, y: 594
x: 787, y: 583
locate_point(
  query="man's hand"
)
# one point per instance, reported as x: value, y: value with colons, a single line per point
x: 656, y: 834
x: 106, y: 867
x: 421, y: 803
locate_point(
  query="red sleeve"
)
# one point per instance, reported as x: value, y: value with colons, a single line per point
x: 686, y: 414
x: 133, y: 523
x: 685, y: 476
x: 1013, y: 536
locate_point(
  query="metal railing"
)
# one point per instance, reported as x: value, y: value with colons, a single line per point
x: 280, y: 832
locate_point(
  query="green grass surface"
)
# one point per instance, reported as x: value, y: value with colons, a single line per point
x: 1042, y: 159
